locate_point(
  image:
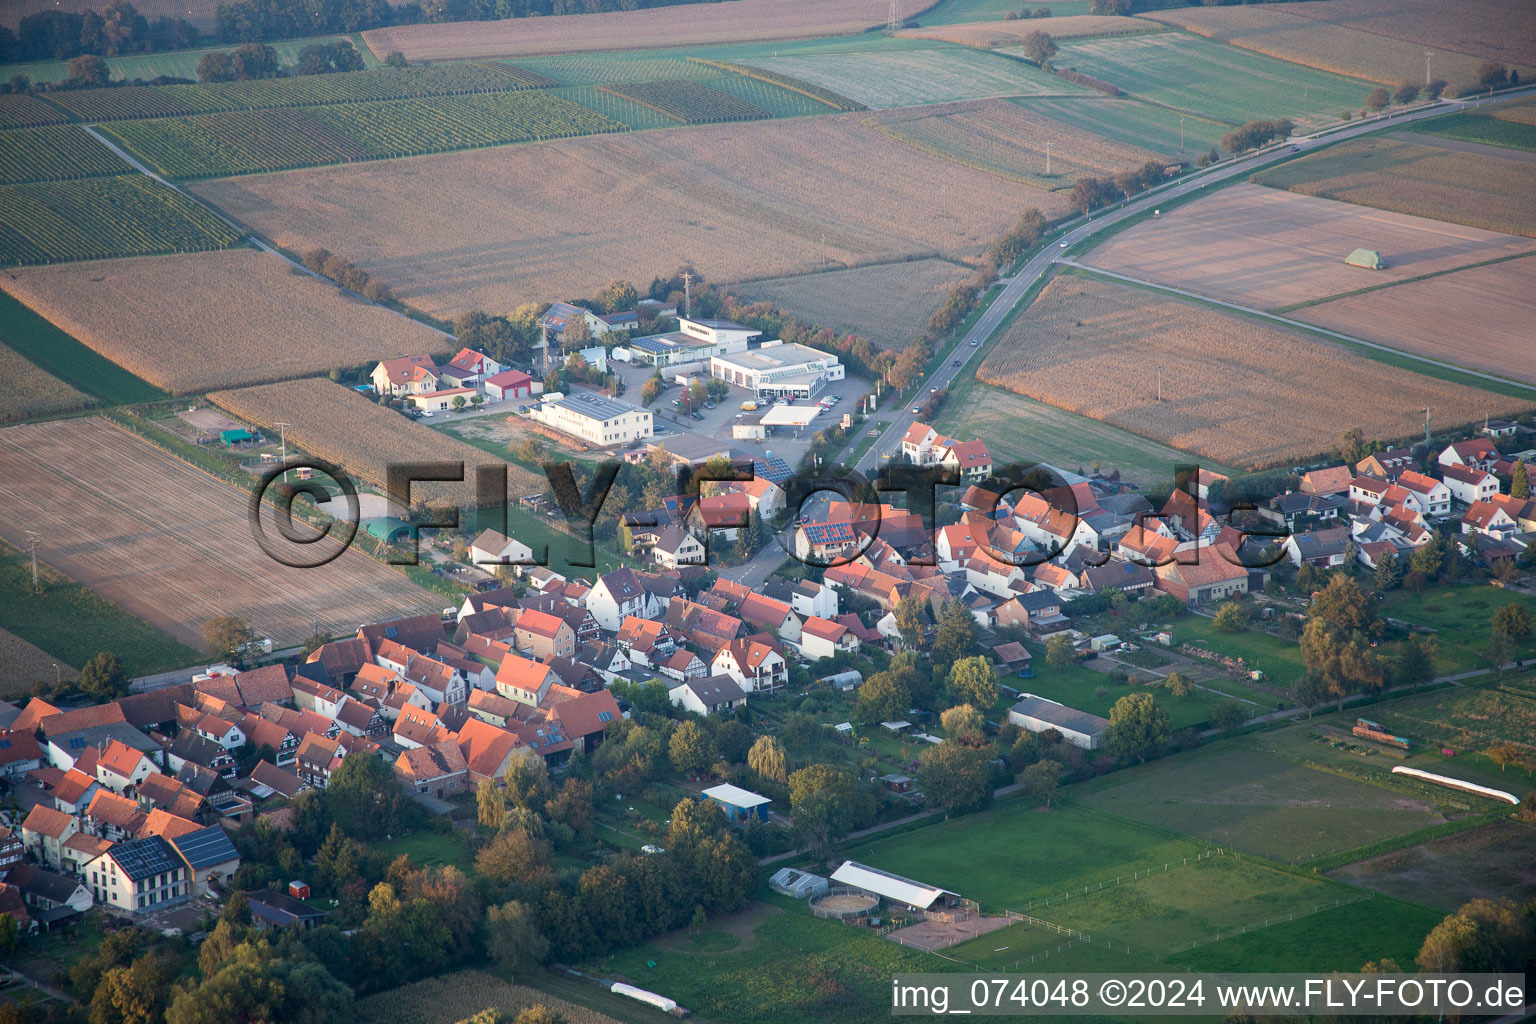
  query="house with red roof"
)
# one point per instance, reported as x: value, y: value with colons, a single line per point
x: 317, y: 758
x: 121, y: 767
x: 19, y: 753
x: 1478, y: 453
x: 438, y: 769
x: 408, y: 375
x: 487, y: 749
x: 755, y: 666
x: 583, y: 718
x: 1211, y: 579
x: 44, y: 831
x: 824, y: 638
x: 524, y: 681
x: 113, y: 817
x: 544, y: 636
x: 1468, y: 485
x: 1428, y: 495
x: 970, y: 459
x: 1490, y: 520
x: 509, y: 385
x: 468, y: 368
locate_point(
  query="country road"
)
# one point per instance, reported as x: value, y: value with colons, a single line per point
x: 970, y: 349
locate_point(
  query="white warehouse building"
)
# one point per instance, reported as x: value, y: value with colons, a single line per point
x: 596, y: 419
x: 778, y: 370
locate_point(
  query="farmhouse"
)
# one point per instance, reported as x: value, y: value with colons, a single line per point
x: 1211, y: 579
x: 593, y: 418
x: 778, y: 370
x: 1036, y: 714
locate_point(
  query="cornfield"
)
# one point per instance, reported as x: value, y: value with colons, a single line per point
x: 152, y: 316
x: 27, y: 390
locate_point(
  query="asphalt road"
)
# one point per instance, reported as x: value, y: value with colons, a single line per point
x: 970, y: 347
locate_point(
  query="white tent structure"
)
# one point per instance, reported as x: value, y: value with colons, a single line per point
x: 790, y: 415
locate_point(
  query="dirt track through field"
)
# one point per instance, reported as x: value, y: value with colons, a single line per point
x: 170, y: 544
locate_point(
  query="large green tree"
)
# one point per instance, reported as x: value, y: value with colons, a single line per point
x: 364, y: 797
x: 1041, y: 779
x: 255, y: 990
x: 691, y: 749
x: 956, y: 634
x: 512, y: 937
x: 953, y: 776
x: 824, y: 802
x: 1337, y: 643
x: 104, y: 677
x: 973, y: 681
x: 1138, y: 728
x: 883, y: 697
x: 768, y: 760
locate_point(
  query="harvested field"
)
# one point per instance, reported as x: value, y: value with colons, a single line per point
x: 22, y: 666
x: 27, y: 390
x: 153, y: 315
x: 1497, y: 861
x: 1379, y: 40
x: 1267, y: 248
x: 1419, y: 178
x: 740, y: 21
x: 1479, y: 318
x: 887, y: 303
x: 1201, y: 77
x: 170, y: 544
x: 341, y: 426
x: 1005, y: 138
x: 905, y: 78
x: 593, y: 210
x: 1234, y: 390
x: 1011, y: 33
x: 455, y: 997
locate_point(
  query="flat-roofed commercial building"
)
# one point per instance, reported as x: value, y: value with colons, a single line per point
x: 596, y: 419
x: 778, y: 370
x: 693, y: 341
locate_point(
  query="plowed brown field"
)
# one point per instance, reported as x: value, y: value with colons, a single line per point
x: 217, y: 319
x: 494, y: 228
x: 1266, y: 248
x: 1233, y: 389
x: 1480, y: 318
x: 170, y: 544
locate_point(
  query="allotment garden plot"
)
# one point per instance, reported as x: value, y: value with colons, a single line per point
x: 1495, y: 861
x: 1270, y: 249
x: 151, y: 316
x: 171, y: 544
x: 1260, y: 803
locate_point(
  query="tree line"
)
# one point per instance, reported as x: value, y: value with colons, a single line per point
x: 117, y: 30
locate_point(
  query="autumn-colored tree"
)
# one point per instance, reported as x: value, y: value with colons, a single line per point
x: 768, y: 760
x: 974, y: 681
x: 1513, y: 621
x: 964, y: 724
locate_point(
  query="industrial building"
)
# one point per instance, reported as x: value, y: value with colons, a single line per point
x: 693, y: 342
x: 1079, y: 728
x: 596, y: 419
x: 777, y: 370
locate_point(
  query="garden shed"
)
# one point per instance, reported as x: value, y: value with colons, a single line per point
x: 739, y: 804
x: 798, y: 884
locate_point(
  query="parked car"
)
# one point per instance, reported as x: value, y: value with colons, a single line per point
x: 697, y: 415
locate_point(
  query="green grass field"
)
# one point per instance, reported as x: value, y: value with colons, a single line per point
x: 1192, y: 74
x: 1260, y: 803
x: 1019, y: 428
x: 1342, y: 939
x: 69, y: 360
x: 1077, y: 687
x: 1463, y: 616
x: 429, y: 849
x: 903, y: 78
x: 1132, y: 122
x: 1007, y: 856
x: 74, y: 623
x: 1467, y: 717
x: 1477, y: 126
x: 1279, y: 660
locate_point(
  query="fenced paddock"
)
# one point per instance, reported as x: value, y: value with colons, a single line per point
x: 844, y: 903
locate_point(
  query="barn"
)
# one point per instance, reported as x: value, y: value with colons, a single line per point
x: 894, y: 888
x: 1369, y: 259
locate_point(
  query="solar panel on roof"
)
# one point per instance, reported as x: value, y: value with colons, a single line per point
x: 140, y: 858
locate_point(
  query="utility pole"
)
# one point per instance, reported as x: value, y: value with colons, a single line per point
x: 893, y: 20
x: 282, y: 429
x: 1426, y: 426
x: 1181, y: 131
x: 1429, y: 55
x: 1048, y: 151
x: 823, y: 250
x: 688, y: 294
x: 32, y: 543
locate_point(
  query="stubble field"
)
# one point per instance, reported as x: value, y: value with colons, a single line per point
x: 886, y: 303
x: 170, y: 544
x: 1382, y: 40
x: 1011, y: 33
x: 1268, y: 248
x: 1417, y: 177
x: 1480, y: 318
x: 153, y: 316
x: 364, y: 438
x: 1005, y: 138
x: 27, y: 390
x: 1233, y: 389
x: 739, y: 202
x: 740, y: 21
